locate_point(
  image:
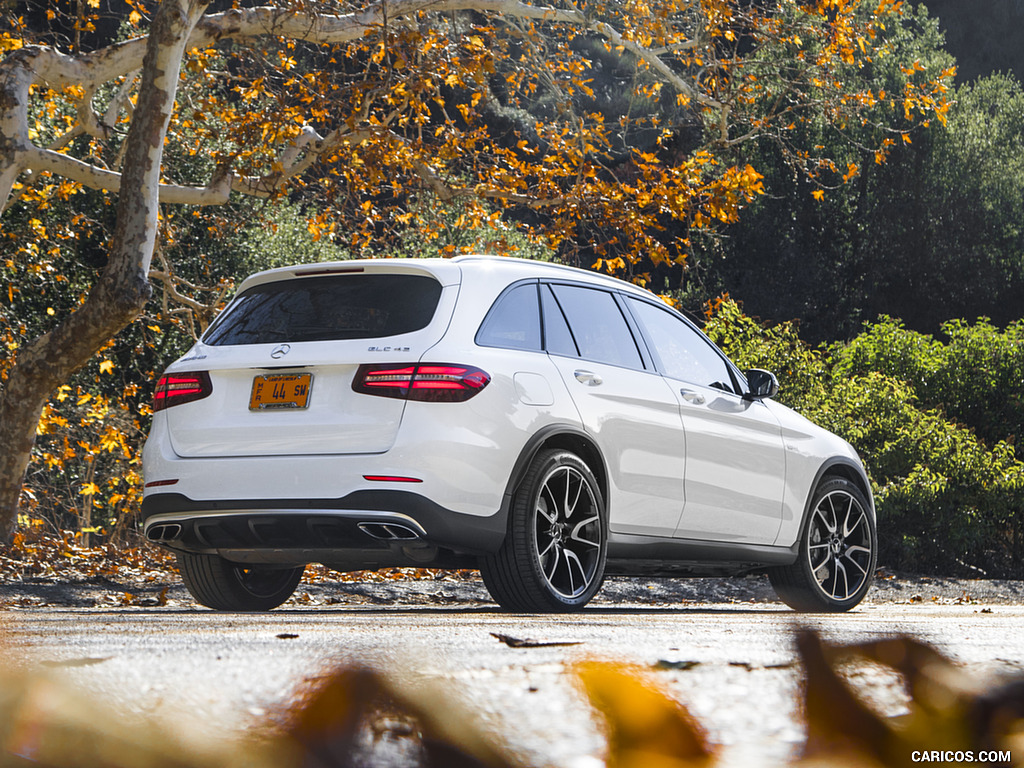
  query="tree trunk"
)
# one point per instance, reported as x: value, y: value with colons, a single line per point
x: 123, y: 289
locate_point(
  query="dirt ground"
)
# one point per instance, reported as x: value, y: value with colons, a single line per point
x: 50, y: 570
x: 421, y: 586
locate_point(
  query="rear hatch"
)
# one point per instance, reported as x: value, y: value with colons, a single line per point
x: 282, y: 358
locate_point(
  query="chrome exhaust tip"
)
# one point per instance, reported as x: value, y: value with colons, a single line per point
x: 165, y: 532
x: 388, y: 531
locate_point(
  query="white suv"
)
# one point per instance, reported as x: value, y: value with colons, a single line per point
x: 544, y: 424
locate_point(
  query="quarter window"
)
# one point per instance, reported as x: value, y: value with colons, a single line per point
x: 598, y: 327
x: 514, y: 320
x: 680, y: 351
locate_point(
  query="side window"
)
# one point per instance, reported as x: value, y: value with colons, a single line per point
x: 557, y: 336
x: 597, y: 326
x: 682, y: 352
x: 514, y: 320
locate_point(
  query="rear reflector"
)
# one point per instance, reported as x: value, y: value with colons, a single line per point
x: 432, y: 382
x: 179, y: 388
x: 391, y: 479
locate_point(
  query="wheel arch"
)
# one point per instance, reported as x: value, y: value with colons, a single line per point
x: 567, y: 437
x: 848, y: 469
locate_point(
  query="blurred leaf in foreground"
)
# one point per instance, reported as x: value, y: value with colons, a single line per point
x: 46, y: 722
x: 951, y: 710
x: 326, y: 726
x: 647, y: 727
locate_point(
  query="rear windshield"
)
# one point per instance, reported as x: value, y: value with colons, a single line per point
x: 327, y: 308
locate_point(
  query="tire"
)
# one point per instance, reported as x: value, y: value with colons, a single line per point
x: 225, y: 586
x: 553, y: 556
x: 836, y: 555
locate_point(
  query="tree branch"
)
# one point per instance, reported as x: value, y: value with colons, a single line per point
x: 35, y: 159
x: 47, y: 65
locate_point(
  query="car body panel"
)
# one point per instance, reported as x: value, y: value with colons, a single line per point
x: 735, y: 467
x: 811, y: 453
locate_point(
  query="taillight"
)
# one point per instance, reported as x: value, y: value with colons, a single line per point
x: 433, y: 382
x: 178, y: 388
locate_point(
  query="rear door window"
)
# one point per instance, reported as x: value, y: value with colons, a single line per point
x: 328, y: 308
x: 557, y: 336
x: 598, y: 326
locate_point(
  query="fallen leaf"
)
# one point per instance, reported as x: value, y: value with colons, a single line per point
x: 515, y: 642
x: 44, y: 721
x: 684, y: 665
x: 838, y: 722
x: 950, y: 711
x: 83, y: 662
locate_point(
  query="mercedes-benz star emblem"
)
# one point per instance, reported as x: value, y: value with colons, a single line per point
x: 280, y: 351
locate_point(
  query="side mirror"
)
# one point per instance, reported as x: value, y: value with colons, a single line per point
x: 762, y: 384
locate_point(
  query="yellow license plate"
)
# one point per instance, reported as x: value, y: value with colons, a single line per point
x: 280, y: 390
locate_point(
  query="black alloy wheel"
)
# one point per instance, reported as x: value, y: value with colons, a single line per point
x: 837, y: 552
x: 553, y: 557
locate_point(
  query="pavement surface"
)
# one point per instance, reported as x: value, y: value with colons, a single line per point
x: 723, y: 648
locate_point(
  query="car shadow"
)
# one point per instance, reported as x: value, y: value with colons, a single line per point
x: 429, y: 610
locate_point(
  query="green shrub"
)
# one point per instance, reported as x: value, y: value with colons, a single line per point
x: 934, y: 423
x: 976, y: 378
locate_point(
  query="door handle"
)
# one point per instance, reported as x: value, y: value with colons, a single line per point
x: 589, y: 378
x: 692, y: 397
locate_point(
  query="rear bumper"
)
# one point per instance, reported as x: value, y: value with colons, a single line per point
x: 364, y: 529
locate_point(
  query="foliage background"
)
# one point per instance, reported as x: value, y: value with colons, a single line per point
x: 932, y: 236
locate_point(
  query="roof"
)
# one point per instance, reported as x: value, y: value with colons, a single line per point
x: 447, y: 270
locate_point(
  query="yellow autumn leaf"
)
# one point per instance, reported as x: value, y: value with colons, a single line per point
x: 107, y: 366
x: 89, y: 489
x: 818, y: 194
x: 8, y: 43
x: 647, y: 727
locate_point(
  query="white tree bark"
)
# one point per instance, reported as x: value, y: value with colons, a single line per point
x: 123, y: 289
